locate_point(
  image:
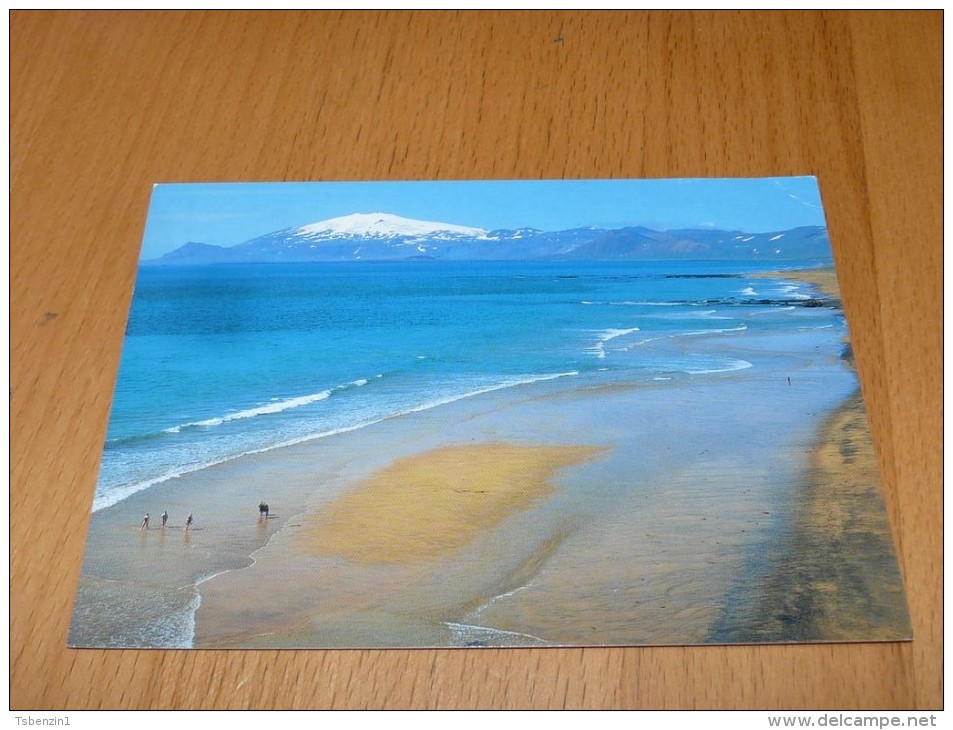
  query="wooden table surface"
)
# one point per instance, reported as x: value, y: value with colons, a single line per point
x: 104, y: 104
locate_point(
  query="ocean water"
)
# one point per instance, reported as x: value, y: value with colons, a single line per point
x: 221, y: 361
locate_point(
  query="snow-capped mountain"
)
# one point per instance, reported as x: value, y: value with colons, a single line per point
x: 384, y: 225
x: 388, y: 237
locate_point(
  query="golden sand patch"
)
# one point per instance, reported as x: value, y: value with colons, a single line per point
x: 824, y: 279
x: 432, y: 503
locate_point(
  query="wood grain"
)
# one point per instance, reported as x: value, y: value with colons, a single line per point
x: 104, y: 104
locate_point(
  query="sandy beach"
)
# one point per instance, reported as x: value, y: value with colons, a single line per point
x: 836, y: 578
x: 555, y: 513
x: 825, y: 279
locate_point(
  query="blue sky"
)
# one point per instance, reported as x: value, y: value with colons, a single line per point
x: 225, y: 214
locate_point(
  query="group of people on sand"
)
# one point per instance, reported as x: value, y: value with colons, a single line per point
x: 263, y: 510
x: 165, y: 518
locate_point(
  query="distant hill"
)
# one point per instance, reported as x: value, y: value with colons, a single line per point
x: 387, y: 237
x: 197, y: 253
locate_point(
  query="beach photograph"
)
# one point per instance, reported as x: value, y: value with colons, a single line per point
x: 487, y: 414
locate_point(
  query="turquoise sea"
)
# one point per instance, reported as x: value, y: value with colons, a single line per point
x: 225, y: 360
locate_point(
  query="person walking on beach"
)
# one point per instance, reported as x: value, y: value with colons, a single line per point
x: 188, y: 522
x: 263, y: 510
x: 145, y: 522
x: 165, y: 517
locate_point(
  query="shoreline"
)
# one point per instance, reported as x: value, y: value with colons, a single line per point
x: 590, y: 550
x: 531, y: 586
x: 187, y: 472
x: 837, y: 576
x: 819, y: 590
x: 824, y: 278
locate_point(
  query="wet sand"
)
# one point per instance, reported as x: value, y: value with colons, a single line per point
x: 599, y: 545
x: 393, y: 559
x: 551, y: 514
x: 837, y: 578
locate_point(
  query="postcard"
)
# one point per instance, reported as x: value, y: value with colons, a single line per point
x: 487, y: 414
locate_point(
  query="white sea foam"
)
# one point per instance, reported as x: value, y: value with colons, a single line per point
x: 185, y: 636
x: 475, y: 635
x: 500, y: 597
x: 647, y: 304
x: 507, y: 594
x: 704, y: 314
x: 791, y: 291
x: 599, y: 349
x: 749, y: 291
x: 772, y: 310
x: 693, y: 333
x: 481, y: 391
x: 727, y: 367
x: 635, y: 303
x: 274, y: 405
x: 278, y: 407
